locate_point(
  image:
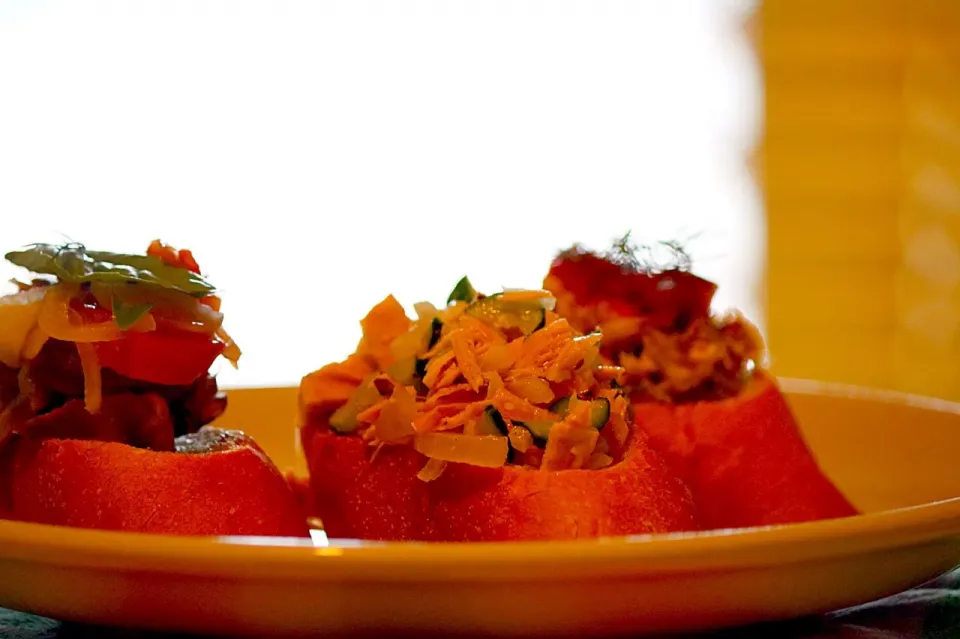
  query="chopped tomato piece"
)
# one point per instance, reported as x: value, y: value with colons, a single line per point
x: 160, y: 357
x: 171, y: 256
x: 88, y: 311
x: 666, y: 299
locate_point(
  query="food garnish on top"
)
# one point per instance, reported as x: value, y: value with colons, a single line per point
x: 110, y: 346
x: 487, y: 380
x: 656, y: 321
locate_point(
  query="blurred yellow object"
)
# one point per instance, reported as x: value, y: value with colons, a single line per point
x: 860, y: 169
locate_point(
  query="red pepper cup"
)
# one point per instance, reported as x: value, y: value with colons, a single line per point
x: 744, y: 459
x: 382, y: 498
x: 233, y: 490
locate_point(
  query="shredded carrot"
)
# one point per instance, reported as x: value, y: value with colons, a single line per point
x: 485, y: 334
x: 464, y: 385
x: 435, y: 366
x: 370, y: 415
x: 470, y: 412
x: 454, y: 393
x: 466, y: 356
x: 378, y: 446
x: 434, y: 418
x: 571, y: 442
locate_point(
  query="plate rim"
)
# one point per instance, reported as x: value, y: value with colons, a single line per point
x: 596, y: 558
x: 273, y: 558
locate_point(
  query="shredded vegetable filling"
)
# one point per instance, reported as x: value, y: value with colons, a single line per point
x: 658, y: 326
x: 487, y: 381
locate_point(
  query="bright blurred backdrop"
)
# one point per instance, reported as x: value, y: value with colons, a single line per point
x: 319, y: 155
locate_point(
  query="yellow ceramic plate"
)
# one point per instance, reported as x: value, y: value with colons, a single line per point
x: 893, y: 455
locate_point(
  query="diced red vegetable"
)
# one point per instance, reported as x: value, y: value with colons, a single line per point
x: 160, y: 357
x: 665, y: 299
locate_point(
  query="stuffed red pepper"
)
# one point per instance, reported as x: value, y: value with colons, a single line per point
x: 104, y: 385
x: 490, y: 419
x: 697, y: 383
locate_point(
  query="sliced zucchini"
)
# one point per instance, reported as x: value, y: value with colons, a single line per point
x: 599, y: 412
x: 525, y: 316
x: 403, y: 370
x: 436, y: 328
x: 462, y: 292
x: 543, y: 319
x: 540, y: 431
x: 492, y: 422
x: 560, y: 407
x: 344, y: 420
x: 420, y: 368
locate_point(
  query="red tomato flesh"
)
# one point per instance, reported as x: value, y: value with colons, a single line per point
x: 164, y: 356
x: 160, y: 357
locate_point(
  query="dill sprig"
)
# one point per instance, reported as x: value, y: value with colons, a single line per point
x: 659, y: 257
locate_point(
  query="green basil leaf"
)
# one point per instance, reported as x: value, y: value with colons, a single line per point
x: 462, y: 292
x: 74, y: 263
x: 126, y: 315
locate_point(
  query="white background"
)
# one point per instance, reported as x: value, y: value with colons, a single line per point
x: 319, y: 155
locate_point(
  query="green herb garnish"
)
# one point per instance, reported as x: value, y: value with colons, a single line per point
x: 75, y: 264
x: 462, y: 292
x: 126, y: 315
x: 666, y: 255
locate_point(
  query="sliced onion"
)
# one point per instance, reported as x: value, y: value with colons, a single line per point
x: 489, y: 451
x: 598, y: 461
x: 190, y: 325
x: 499, y: 357
x: 18, y: 317
x: 231, y: 352
x: 431, y: 470
x: 170, y: 309
x: 182, y: 312
x: 425, y: 311
x: 92, y: 381
x: 56, y: 320
x: 36, y: 338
